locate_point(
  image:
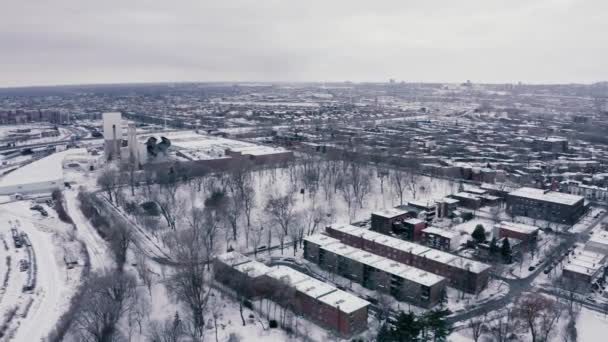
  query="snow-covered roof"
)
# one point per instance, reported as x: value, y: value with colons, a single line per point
x: 414, y: 248
x: 518, y: 227
x: 320, y: 239
x: 47, y: 169
x: 319, y: 290
x: 389, y: 212
x: 600, y: 237
x: 346, y: 302
x: 585, y: 262
x: 441, y: 232
x: 547, y: 196
x: 233, y: 258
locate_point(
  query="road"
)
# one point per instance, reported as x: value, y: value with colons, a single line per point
x: 518, y: 286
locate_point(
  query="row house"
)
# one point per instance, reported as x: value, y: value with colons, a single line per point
x: 375, y: 272
x: 465, y: 274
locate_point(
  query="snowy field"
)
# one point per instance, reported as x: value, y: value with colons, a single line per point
x: 37, y: 310
x: 592, y: 326
x: 325, y: 206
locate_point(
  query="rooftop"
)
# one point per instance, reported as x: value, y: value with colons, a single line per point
x: 441, y: 232
x: 389, y: 212
x: 518, y: 227
x: 547, y: 196
x: 416, y: 249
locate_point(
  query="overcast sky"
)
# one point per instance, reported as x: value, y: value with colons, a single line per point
x: 106, y: 41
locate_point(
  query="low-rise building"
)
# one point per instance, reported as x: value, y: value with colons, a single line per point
x: 439, y: 238
x: 546, y: 205
x: 584, y: 267
x: 598, y: 243
x: 468, y: 200
x: 524, y: 232
x: 320, y: 302
x: 382, y: 221
x: 462, y: 273
x: 375, y: 272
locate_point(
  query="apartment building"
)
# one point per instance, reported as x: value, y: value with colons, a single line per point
x: 546, y: 205
x: 584, y: 267
x: 375, y: 272
x: 523, y: 232
x: 324, y: 304
x: 468, y: 275
x: 442, y: 239
x: 383, y: 220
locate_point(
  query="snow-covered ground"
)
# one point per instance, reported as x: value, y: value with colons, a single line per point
x: 591, y: 326
x: 38, y: 310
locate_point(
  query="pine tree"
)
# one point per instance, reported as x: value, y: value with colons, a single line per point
x: 384, y: 334
x: 479, y: 234
x: 407, y: 328
x: 437, y: 325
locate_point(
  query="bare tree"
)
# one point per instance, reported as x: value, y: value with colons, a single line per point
x: 296, y: 234
x: 281, y: 213
x: 105, y: 301
x: 188, y: 283
x: 107, y: 180
x: 398, y: 180
x: 502, y: 328
x: 144, y: 272
x: 171, y: 330
x: 120, y: 239
x: 166, y: 197
x: 477, y: 326
x: 358, y: 177
x: 539, y: 314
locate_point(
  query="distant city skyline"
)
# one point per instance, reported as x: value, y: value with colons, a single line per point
x: 73, y: 42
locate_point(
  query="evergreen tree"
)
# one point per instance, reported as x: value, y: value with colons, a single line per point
x: 505, y: 250
x: 479, y: 234
x: 437, y: 326
x: 384, y: 334
x: 407, y: 328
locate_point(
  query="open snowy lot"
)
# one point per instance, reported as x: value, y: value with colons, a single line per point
x: 36, y: 310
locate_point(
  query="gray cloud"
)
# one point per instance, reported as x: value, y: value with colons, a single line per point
x: 76, y: 41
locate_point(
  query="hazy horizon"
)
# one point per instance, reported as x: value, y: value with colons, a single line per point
x: 68, y: 42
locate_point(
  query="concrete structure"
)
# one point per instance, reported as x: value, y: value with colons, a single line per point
x: 445, y: 207
x: 320, y: 302
x: 374, y: 272
x: 41, y: 176
x: 112, y: 134
x: 410, y: 229
x: 469, y: 275
x: 524, y: 232
x: 546, y: 205
x: 442, y: 239
x: 382, y: 221
x: 550, y: 144
x: 468, y: 200
x: 590, y: 192
x: 598, y: 243
x: 584, y: 267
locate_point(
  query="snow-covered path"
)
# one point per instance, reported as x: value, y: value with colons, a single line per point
x: 98, y: 250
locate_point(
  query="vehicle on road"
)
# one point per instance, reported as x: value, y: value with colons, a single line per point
x: 23, y: 265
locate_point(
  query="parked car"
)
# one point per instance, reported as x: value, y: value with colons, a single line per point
x: 531, y: 268
x: 23, y: 265
x: 547, y: 270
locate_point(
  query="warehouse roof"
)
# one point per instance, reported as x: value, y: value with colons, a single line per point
x: 547, y: 196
